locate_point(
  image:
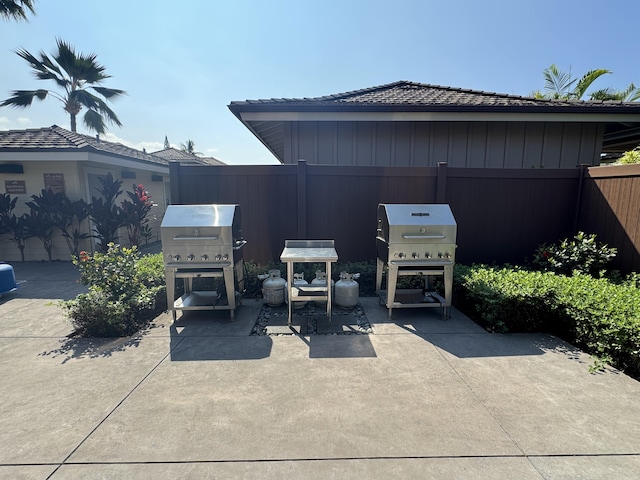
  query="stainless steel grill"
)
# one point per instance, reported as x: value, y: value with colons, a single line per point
x: 415, y: 240
x: 202, y: 241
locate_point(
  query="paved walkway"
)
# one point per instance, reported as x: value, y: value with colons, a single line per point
x: 201, y: 398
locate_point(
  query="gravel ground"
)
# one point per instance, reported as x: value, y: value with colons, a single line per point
x: 278, y: 316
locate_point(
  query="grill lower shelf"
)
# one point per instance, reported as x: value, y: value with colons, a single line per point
x: 201, y: 300
x: 413, y: 298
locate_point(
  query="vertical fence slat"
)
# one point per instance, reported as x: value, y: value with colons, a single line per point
x: 302, y: 199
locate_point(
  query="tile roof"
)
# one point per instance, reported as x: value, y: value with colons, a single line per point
x: 56, y: 138
x: 406, y: 95
x: 174, y: 155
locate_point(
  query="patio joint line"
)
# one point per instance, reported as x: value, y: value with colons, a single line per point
x: 101, y: 422
x: 339, y: 459
x: 475, y: 395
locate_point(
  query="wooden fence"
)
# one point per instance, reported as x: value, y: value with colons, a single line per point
x: 502, y: 214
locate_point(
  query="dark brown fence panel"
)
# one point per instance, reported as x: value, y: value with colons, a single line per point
x: 266, y: 195
x: 503, y: 215
x: 610, y: 208
x: 342, y: 202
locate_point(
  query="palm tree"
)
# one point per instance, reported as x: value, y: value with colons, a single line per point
x: 190, y: 147
x: 78, y: 75
x: 561, y: 85
x: 16, y: 10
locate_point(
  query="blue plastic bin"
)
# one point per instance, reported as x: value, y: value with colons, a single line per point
x: 7, y: 279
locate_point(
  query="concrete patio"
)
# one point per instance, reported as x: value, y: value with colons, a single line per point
x: 418, y: 398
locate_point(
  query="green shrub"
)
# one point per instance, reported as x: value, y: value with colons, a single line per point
x: 125, y: 292
x: 582, y: 254
x: 595, y: 314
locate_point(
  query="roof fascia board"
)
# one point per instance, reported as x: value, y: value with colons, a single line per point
x: 122, y: 162
x: 25, y: 155
x: 437, y: 117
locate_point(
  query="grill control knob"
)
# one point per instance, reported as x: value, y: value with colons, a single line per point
x: 218, y: 257
x: 427, y: 255
x: 447, y: 255
x: 440, y: 255
x: 204, y: 257
x: 415, y: 255
x: 176, y: 258
x: 225, y: 257
x: 191, y: 257
x: 401, y: 255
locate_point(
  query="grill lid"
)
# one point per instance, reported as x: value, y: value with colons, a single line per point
x: 199, y: 216
x: 402, y: 223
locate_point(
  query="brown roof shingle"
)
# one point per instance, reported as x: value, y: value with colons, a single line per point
x: 56, y: 138
x: 408, y: 96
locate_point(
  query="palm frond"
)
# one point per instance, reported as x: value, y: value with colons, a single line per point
x: 92, y: 102
x: 24, y: 98
x: 586, y: 81
x: 557, y: 82
x: 109, y: 92
x: 94, y: 121
x: 605, y: 94
x: 16, y: 9
x: 630, y: 94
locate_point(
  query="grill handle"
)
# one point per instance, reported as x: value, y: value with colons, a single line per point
x: 182, y: 237
x: 430, y: 237
x: 239, y: 244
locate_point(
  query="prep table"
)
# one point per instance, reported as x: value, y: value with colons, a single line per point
x: 308, y: 251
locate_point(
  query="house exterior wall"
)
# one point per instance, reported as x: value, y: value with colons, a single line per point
x: 460, y: 144
x: 75, y: 175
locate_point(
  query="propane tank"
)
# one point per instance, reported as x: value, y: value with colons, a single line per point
x: 321, y: 281
x: 298, y: 281
x: 347, y: 290
x: 273, y: 288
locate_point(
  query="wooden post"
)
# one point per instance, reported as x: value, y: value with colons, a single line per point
x: 581, y: 176
x: 302, y: 199
x: 441, y: 183
x: 174, y: 178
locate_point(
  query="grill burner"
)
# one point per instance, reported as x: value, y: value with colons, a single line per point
x: 202, y: 241
x: 415, y: 240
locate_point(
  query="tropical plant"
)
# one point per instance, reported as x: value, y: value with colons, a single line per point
x: 135, y: 211
x: 16, y: 227
x: 559, y: 85
x: 16, y: 10
x: 65, y: 215
x: 80, y: 76
x: 190, y: 147
x: 107, y: 217
x: 20, y: 231
x: 7, y: 204
x: 39, y: 225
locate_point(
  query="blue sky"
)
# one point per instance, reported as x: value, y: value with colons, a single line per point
x: 182, y: 63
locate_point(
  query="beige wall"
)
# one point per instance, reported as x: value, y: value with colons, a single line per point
x: 460, y: 144
x: 75, y: 179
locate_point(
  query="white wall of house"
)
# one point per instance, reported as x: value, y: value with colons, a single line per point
x: 76, y: 176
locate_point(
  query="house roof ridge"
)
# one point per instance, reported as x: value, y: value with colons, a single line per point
x: 75, y: 138
x: 404, y: 92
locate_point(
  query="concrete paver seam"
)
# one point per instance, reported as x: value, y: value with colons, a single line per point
x: 106, y: 417
x: 475, y: 395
